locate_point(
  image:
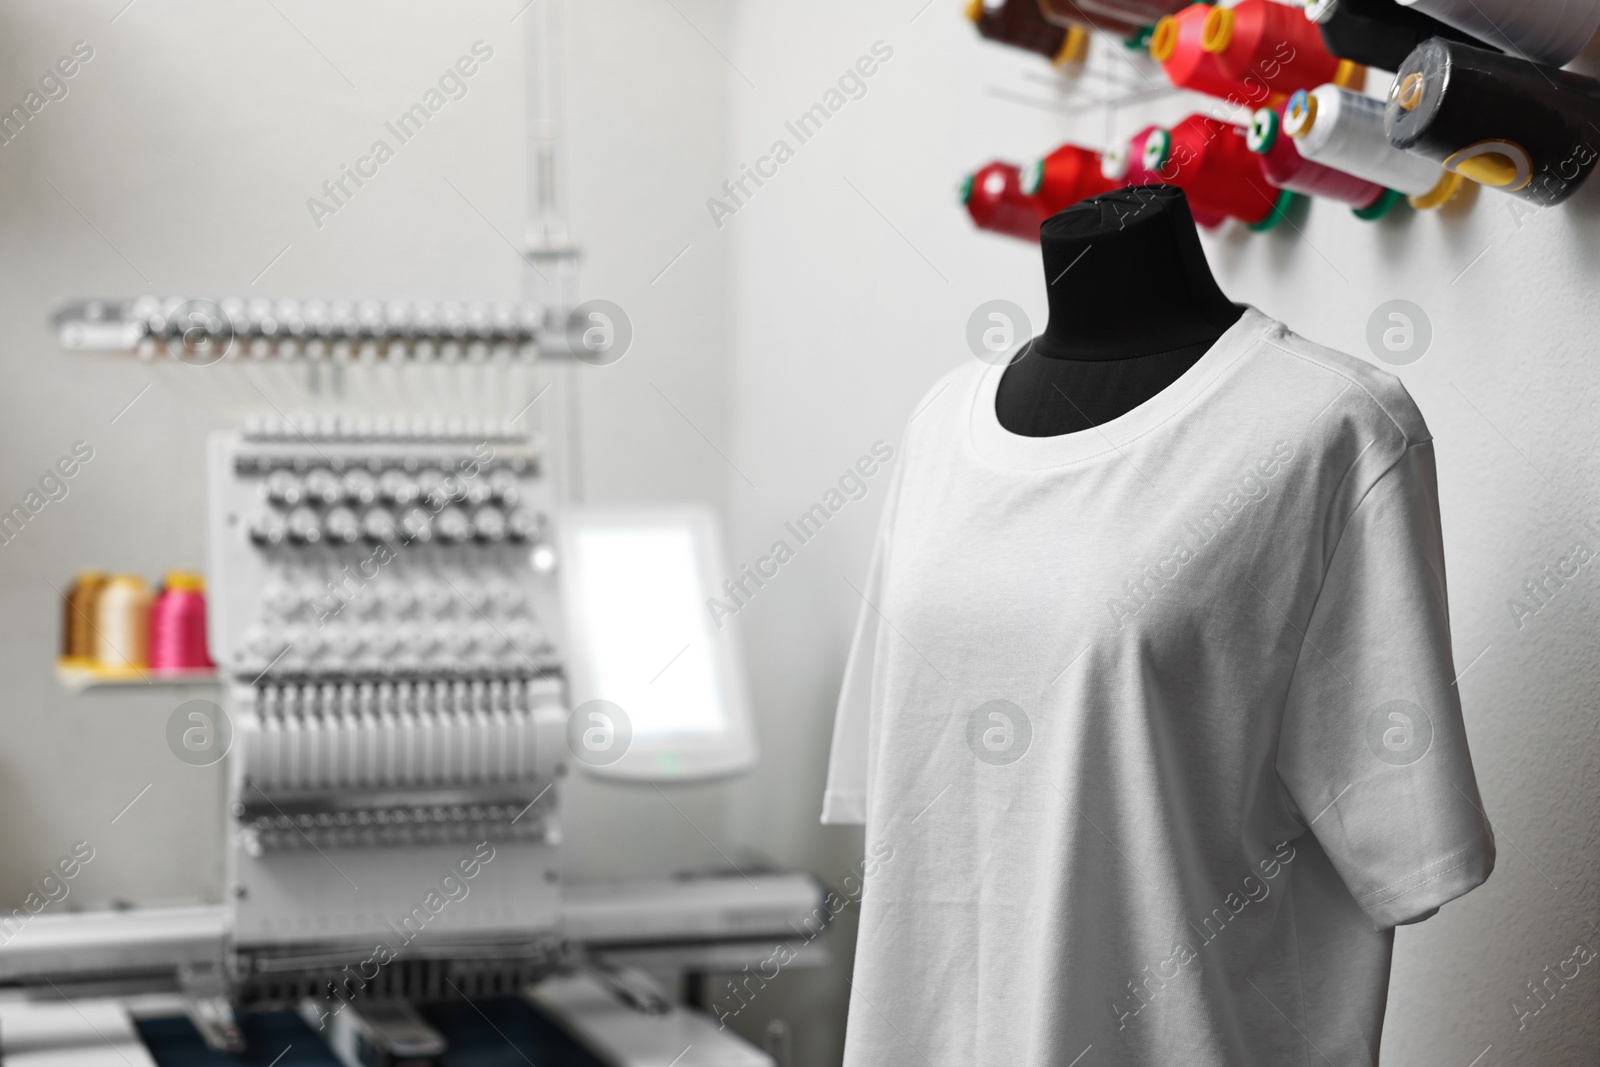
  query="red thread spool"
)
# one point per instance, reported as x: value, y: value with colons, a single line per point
x: 1210, y: 162
x: 1286, y: 168
x: 178, y: 624
x: 1269, y: 47
x: 1128, y: 165
x: 1064, y: 177
x: 995, y: 200
x: 1177, y: 44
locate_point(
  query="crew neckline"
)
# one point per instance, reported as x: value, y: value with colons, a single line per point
x: 994, y: 442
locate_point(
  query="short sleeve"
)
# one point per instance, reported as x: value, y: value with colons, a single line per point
x: 844, y: 801
x: 1373, y: 751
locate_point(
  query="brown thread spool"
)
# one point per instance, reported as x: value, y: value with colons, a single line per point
x: 77, y: 621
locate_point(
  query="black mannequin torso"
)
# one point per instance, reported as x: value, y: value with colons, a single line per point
x: 1132, y: 306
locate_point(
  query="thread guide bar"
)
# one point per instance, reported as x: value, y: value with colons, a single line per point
x: 201, y: 331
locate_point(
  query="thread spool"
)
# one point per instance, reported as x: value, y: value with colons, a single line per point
x: 122, y: 622
x: 1069, y: 14
x: 1019, y: 24
x: 1524, y: 129
x: 1134, y: 12
x: 1177, y: 44
x: 1286, y: 168
x: 1541, y: 30
x: 77, y: 617
x: 1064, y: 177
x: 1270, y: 48
x: 1375, y: 33
x: 1125, y: 166
x: 1209, y: 161
x: 178, y: 624
x: 1344, y: 130
x: 996, y: 202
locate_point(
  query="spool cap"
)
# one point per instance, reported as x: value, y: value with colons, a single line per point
x: 1114, y: 163
x: 1449, y: 183
x: 1157, y: 150
x: 1408, y: 94
x: 1300, y: 114
x: 1350, y: 75
x: 1074, y: 49
x: 1217, y: 33
x: 1032, y: 177
x: 187, y: 581
x: 1263, y: 132
x: 1164, y: 39
x: 1280, y: 208
x: 1379, y: 207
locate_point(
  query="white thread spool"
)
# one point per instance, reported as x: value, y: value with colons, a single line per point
x: 122, y: 622
x: 1344, y: 130
x: 1546, y: 31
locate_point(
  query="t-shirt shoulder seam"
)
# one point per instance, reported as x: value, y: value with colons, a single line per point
x: 1352, y: 380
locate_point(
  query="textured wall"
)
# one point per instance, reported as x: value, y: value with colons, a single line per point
x: 855, y: 274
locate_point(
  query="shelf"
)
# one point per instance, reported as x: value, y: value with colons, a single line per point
x: 76, y: 679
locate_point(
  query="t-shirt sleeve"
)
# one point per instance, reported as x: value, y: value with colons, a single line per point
x: 1373, y: 751
x: 844, y: 800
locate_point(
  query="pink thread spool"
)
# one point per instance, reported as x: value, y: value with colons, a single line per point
x: 1125, y: 166
x: 178, y: 624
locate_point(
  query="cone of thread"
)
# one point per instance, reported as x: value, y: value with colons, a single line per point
x: 1541, y: 31
x: 995, y: 200
x: 1515, y: 126
x: 1263, y: 43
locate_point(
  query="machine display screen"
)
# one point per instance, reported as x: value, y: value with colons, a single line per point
x: 638, y: 603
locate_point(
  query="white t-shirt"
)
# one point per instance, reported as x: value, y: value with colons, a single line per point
x: 1153, y: 727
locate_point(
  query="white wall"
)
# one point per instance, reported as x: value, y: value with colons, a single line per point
x: 843, y: 322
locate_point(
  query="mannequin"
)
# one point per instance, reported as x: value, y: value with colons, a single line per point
x: 1132, y: 306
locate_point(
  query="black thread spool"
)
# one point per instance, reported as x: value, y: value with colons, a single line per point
x: 1523, y: 128
x: 1377, y: 33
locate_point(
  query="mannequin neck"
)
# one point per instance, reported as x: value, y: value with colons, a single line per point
x: 1133, y: 306
x: 1126, y: 277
